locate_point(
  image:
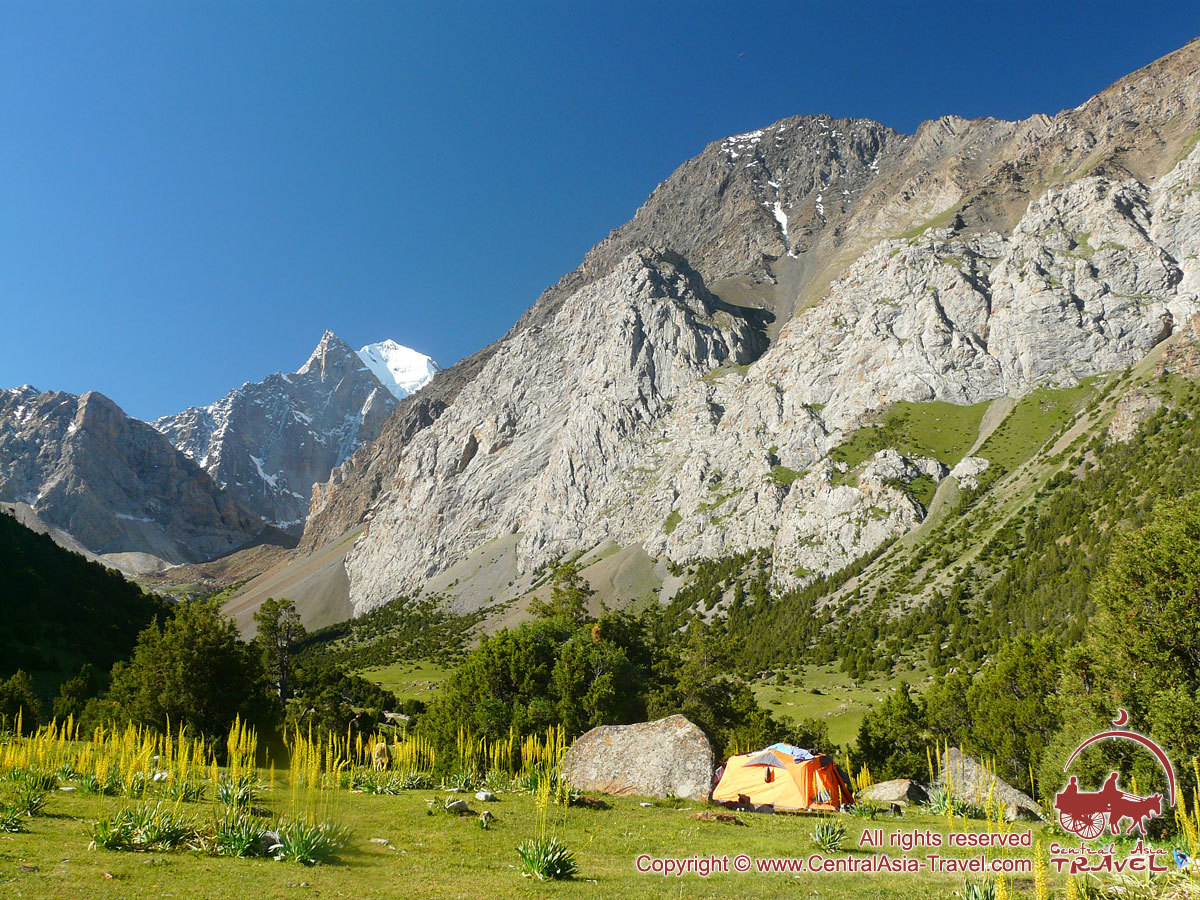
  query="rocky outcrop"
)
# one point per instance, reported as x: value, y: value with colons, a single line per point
x: 575, y: 397
x: 268, y: 442
x: 1183, y: 356
x: 667, y: 758
x: 1132, y: 411
x: 899, y: 790
x: 112, y: 483
x: 965, y: 777
x: 967, y: 471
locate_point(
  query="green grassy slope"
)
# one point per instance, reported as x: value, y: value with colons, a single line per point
x: 61, y: 611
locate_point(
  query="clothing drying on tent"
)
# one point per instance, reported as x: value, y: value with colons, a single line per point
x: 798, y: 754
x: 776, y: 777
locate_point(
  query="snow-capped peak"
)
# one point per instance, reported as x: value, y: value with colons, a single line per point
x: 401, y: 369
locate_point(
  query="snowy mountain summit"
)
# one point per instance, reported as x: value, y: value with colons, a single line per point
x: 268, y: 442
x: 400, y: 369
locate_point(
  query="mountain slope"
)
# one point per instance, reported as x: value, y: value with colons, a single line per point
x: 267, y: 443
x: 972, y: 262
x: 113, y: 483
x: 61, y: 610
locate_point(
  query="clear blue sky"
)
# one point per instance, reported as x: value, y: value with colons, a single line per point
x: 190, y: 193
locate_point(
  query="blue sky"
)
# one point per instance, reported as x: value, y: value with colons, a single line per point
x: 191, y: 193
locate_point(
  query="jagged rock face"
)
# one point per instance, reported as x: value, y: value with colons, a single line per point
x: 268, y: 442
x: 569, y: 432
x: 113, y: 483
x: 749, y: 199
x: 575, y: 397
x: 354, y: 486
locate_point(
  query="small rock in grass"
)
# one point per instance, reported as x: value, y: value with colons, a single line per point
x: 459, y: 807
x: 589, y: 802
x: 723, y: 818
x: 485, y: 796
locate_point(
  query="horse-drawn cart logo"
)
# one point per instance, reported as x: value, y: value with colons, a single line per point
x: 1087, y: 813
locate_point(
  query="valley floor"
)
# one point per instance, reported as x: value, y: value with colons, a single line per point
x: 444, y: 856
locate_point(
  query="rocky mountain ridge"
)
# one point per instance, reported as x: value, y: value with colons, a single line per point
x: 268, y: 442
x: 112, y: 483
x: 971, y: 261
x: 116, y: 489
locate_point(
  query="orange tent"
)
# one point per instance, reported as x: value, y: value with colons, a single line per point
x: 815, y: 783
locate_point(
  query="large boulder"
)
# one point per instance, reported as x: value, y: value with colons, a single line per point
x: 667, y: 758
x: 899, y: 790
x: 967, y: 778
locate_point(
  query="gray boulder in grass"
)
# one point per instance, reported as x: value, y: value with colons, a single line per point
x: 670, y: 757
x: 898, y: 790
x: 968, y: 779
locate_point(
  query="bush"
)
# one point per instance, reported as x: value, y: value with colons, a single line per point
x: 829, y: 836
x: 144, y: 827
x: 945, y: 802
x: 187, y: 791
x: 309, y: 842
x: 10, y: 819
x: 236, y: 791
x: 978, y: 890
x: 547, y: 859
x: 29, y: 800
x: 239, y: 834
x: 42, y: 781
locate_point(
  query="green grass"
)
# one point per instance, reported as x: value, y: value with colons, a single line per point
x: 672, y: 522
x: 943, y: 431
x: 722, y: 371
x: 785, y: 476
x: 945, y: 217
x: 410, y: 680
x: 445, y: 856
x: 841, y: 704
x: 1034, y: 420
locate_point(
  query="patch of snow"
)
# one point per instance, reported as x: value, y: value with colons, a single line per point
x: 132, y: 518
x: 781, y: 218
x: 269, y: 479
x: 400, y: 369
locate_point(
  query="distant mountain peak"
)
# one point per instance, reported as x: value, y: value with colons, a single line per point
x: 330, y: 348
x: 401, y: 369
x: 268, y: 442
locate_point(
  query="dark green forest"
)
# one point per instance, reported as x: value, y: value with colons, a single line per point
x: 61, y: 611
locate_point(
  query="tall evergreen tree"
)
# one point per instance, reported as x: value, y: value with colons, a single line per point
x: 279, y: 631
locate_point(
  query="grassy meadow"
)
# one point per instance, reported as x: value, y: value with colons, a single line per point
x: 409, y: 679
x: 393, y: 836
x: 828, y: 694
x: 448, y: 856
